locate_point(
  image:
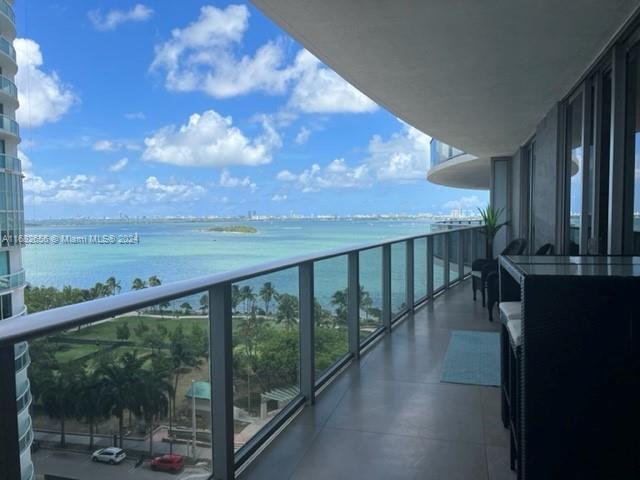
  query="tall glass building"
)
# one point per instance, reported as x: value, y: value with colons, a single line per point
x: 12, y: 279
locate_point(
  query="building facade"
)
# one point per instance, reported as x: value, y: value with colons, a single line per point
x: 12, y: 277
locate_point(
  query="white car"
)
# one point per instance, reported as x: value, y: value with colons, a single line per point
x: 110, y: 455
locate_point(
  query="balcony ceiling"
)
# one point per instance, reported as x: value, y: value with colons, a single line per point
x: 476, y: 75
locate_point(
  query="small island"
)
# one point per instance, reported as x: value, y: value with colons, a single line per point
x: 232, y: 229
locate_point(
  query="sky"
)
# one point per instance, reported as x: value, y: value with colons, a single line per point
x: 192, y: 108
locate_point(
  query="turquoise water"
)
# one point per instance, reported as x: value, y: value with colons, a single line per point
x: 177, y: 251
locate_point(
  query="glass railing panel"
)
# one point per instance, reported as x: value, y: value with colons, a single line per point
x: 453, y: 240
x: 266, y: 350
x: 370, y: 292
x: 7, y: 48
x: 330, y: 312
x: 139, y: 381
x: 9, y: 125
x: 419, y: 268
x: 12, y: 280
x: 398, y: 278
x: 7, y: 10
x: 8, y: 87
x: 8, y: 162
x: 468, y: 251
x: 438, y: 262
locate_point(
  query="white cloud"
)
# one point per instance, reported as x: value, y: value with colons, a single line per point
x: 404, y: 157
x: 229, y: 181
x: 114, y: 18
x: 320, y: 90
x: 82, y: 189
x: 335, y: 175
x: 43, y: 97
x: 203, y: 56
x: 470, y: 202
x: 135, y: 116
x: 303, y: 135
x: 210, y: 140
x: 114, y: 145
x: 119, y: 165
x: 279, y: 198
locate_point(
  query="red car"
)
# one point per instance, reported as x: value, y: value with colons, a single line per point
x: 168, y: 463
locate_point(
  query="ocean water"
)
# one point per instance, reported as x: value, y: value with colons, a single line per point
x: 177, y: 251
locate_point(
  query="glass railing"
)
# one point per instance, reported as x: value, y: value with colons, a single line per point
x: 8, y: 87
x: 22, y: 356
x: 24, y: 398
x: 441, y: 152
x: 11, y: 163
x: 7, y: 10
x: 211, y: 368
x: 12, y: 280
x: 26, y: 438
x: 27, y: 473
x: 7, y: 48
x: 9, y: 125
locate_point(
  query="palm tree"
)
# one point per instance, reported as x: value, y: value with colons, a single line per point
x: 118, y: 386
x: 186, y: 306
x: 339, y: 301
x: 59, y: 394
x: 181, y: 355
x: 366, y: 302
x: 236, y: 297
x: 154, y: 281
x: 287, y: 312
x: 248, y: 297
x: 151, y: 399
x: 113, y: 285
x: 204, y: 304
x: 88, y: 405
x: 267, y: 294
x: 138, y: 284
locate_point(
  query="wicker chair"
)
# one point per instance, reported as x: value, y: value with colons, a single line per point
x: 481, y: 267
x: 492, y: 280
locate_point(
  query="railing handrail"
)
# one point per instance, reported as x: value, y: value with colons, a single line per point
x: 33, y: 325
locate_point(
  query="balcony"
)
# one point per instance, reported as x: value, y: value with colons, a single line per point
x: 7, y: 18
x: 12, y: 280
x: 7, y: 56
x: 8, y: 126
x: 275, y: 357
x: 9, y: 163
x: 454, y: 168
x: 9, y: 90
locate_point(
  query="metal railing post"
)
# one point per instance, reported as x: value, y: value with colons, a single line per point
x: 429, y: 267
x: 221, y: 371
x: 445, y: 259
x: 386, y: 286
x: 353, y: 303
x: 307, y: 332
x: 410, y: 275
x: 10, y: 451
x: 461, y: 245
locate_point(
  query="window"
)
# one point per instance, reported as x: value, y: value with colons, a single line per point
x: 574, y: 167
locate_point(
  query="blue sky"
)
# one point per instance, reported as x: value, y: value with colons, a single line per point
x: 189, y: 108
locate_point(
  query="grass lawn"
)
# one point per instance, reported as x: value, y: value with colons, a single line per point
x: 74, y: 352
x: 107, y: 330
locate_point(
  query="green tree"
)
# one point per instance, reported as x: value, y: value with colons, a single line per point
x: 248, y: 297
x: 182, y: 355
x: 287, y: 312
x: 140, y: 329
x: 113, y: 285
x: 236, y: 297
x: 267, y: 294
x: 138, y: 284
x: 120, y: 379
x: 186, y: 308
x: 151, y: 399
x: 59, y: 394
x: 88, y: 404
x: 122, y: 331
x: 154, y: 281
x: 366, y: 302
x: 199, y: 341
x: 339, y: 302
x: 204, y: 304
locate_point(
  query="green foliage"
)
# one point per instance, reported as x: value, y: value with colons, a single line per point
x: 267, y: 294
x: 491, y: 219
x: 138, y: 284
x: 287, y: 312
x: 140, y: 329
x: 122, y: 331
x: 331, y: 344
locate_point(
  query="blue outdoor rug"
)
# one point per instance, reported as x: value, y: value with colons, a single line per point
x: 473, y: 358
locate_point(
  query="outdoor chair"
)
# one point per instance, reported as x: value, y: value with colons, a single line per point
x: 481, y: 267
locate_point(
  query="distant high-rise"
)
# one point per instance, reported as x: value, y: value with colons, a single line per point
x: 12, y: 279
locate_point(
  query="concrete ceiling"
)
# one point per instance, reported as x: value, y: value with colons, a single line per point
x: 476, y: 75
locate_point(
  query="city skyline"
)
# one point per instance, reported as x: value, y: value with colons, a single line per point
x: 216, y: 111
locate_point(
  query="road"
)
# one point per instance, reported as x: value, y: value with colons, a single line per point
x: 79, y: 466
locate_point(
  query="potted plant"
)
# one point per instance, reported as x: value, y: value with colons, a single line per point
x: 491, y: 218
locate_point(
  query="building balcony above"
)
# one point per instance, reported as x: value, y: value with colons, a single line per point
x: 7, y: 18
x: 9, y: 127
x: 12, y: 280
x: 10, y: 164
x: 8, y: 91
x: 7, y: 56
x: 452, y: 167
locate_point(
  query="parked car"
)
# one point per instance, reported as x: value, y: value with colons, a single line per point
x: 168, y: 463
x: 110, y: 455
